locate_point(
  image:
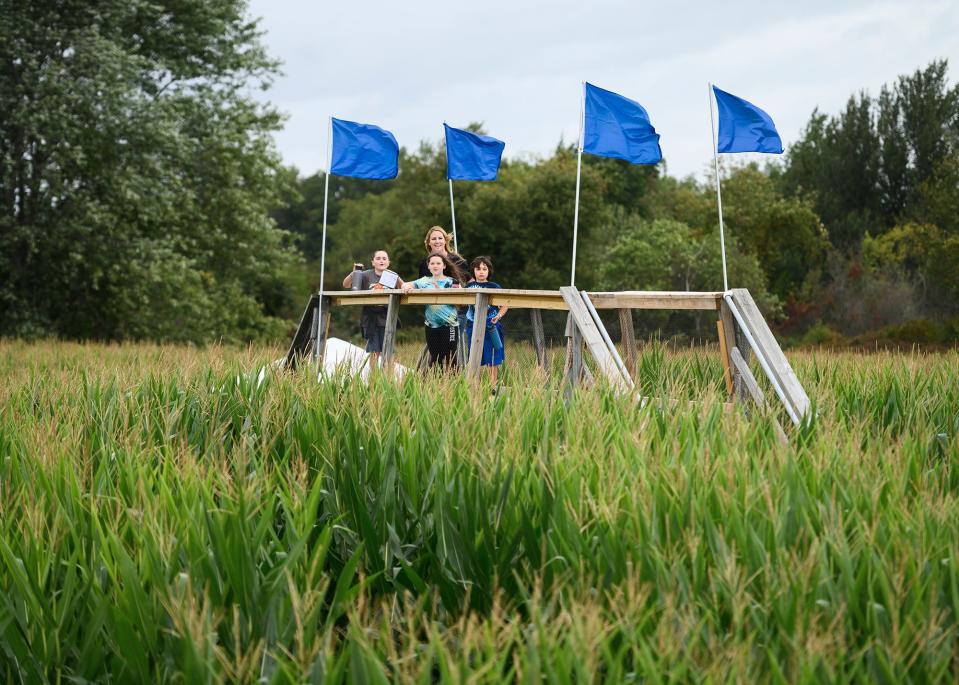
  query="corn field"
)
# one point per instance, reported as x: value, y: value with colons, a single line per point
x: 171, y: 514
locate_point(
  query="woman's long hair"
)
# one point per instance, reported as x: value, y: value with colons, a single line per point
x: 449, y: 268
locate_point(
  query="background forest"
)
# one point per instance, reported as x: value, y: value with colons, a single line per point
x: 142, y: 197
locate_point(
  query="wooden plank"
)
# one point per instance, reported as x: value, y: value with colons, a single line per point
x: 479, y: 336
x: 735, y: 338
x: 583, y: 321
x: 755, y: 392
x: 793, y: 393
x: 539, y: 337
x: 539, y: 299
x: 389, y: 338
x: 574, y: 350
x: 724, y: 356
x: 649, y: 299
x: 628, y: 336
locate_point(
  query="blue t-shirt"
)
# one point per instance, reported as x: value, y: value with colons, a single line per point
x: 491, y: 310
x: 437, y: 315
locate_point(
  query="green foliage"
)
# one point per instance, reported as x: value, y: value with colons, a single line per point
x: 866, y: 167
x: 137, y: 175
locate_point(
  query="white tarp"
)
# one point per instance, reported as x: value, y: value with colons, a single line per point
x: 343, y: 357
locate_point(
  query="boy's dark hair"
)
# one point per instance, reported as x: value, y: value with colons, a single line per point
x: 481, y: 260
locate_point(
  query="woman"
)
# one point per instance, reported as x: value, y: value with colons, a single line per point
x: 438, y: 241
x: 442, y: 328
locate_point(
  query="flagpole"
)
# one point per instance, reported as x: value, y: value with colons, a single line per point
x: 326, y: 193
x: 453, y: 213
x: 579, y: 166
x: 719, y: 195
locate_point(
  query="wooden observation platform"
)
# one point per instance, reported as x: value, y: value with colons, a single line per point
x: 742, y: 332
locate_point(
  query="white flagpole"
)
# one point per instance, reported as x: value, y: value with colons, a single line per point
x: 453, y: 213
x: 719, y: 195
x: 579, y: 166
x: 326, y: 193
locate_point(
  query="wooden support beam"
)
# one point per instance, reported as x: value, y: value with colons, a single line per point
x: 479, y: 335
x: 724, y: 356
x: 594, y: 339
x: 628, y: 336
x: 755, y: 392
x: 389, y: 338
x: 539, y: 337
x: 574, y: 350
x: 324, y: 329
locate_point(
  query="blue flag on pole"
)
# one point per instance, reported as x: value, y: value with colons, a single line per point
x: 616, y: 126
x: 363, y: 151
x: 743, y: 127
x: 471, y: 156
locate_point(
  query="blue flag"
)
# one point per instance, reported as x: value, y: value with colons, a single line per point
x: 743, y: 127
x: 616, y: 126
x: 470, y: 156
x: 363, y: 151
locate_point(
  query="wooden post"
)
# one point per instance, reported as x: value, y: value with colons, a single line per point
x: 724, y: 355
x: 729, y: 340
x: 575, y: 350
x: 755, y: 392
x: 324, y: 329
x: 539, y: 338
x: 628, y: 338
x: 479, y: 336
x: 389, y: 338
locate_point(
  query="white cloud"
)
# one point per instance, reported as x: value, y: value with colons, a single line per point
x: 517, y: 66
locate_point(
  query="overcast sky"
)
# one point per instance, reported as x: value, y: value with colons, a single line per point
x: 517, y: 66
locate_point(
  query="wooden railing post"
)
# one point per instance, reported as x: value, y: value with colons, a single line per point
x: 539, y: 338
x: 479, y: 336
x: 389, y: 337
x: 628, y: 336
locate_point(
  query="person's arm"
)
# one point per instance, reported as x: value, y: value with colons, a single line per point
x: 348, y: 281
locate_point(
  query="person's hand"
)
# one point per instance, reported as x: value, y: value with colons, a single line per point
x: 496, y: 319
x: 455, y: 285
x: 407, y: 287
x: 377, y: 286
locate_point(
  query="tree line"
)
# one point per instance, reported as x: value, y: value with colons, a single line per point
x: 143, y: 197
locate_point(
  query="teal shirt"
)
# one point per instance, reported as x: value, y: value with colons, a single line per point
x: 437, y: 315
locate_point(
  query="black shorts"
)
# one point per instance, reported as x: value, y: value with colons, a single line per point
x: 374, y: 338
x: 442, y: 345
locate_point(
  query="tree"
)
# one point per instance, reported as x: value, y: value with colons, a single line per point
x: 136, y: 174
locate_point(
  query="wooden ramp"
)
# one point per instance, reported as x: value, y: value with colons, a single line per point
x: 760, y: 339
x: 589, y: 326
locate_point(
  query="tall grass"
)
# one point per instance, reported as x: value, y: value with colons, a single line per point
x: 170, y: 515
